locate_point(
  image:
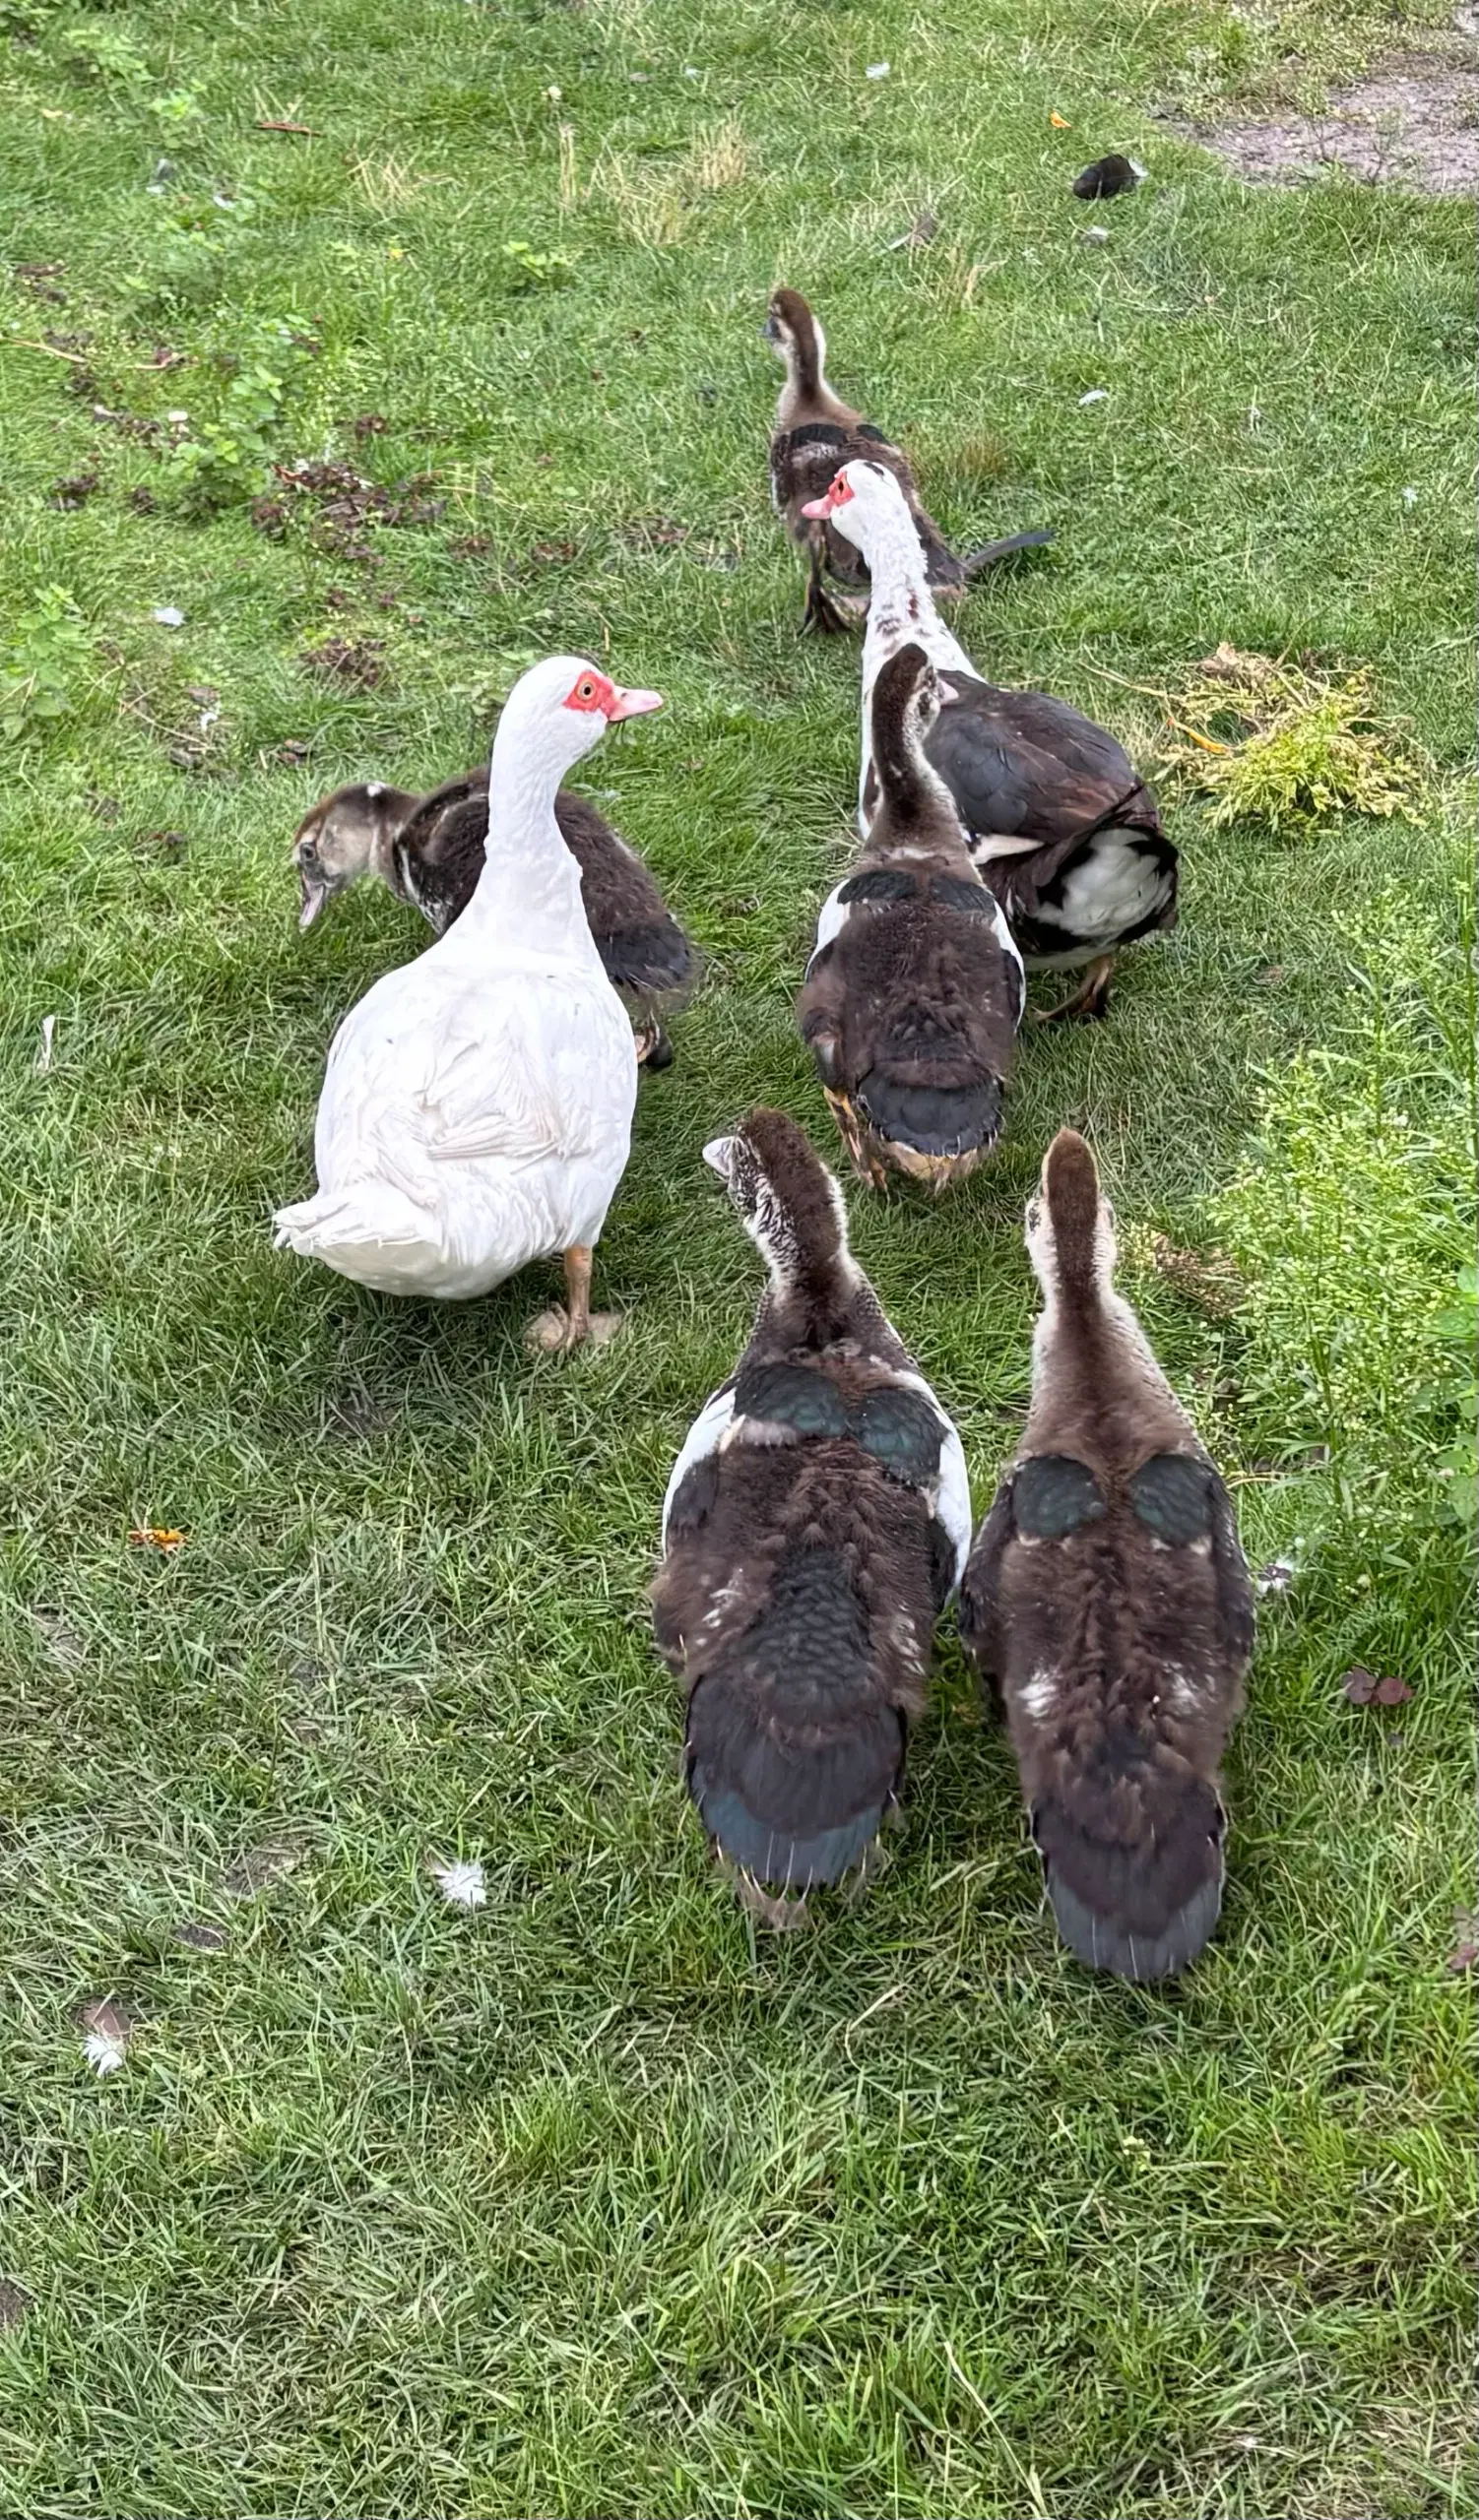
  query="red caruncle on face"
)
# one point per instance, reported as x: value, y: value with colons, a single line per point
x: 592, y: 691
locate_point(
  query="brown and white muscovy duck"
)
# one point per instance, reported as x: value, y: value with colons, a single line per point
x: 476, y: 1105
x: 429, y: 851
x: 1061, y: 825
x: 815, y: 431
x: 815, y: 1525
x: 914, y: 988
x: 1108, y: 1597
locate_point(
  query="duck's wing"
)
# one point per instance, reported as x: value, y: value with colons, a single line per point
x: 525, y: 1080
x: 979, y: 1591
x: 644, y: 950
x: 693, y: 1480
x: 1021, y: 765
x: 438, y: 854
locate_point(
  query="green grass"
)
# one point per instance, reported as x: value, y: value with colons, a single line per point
x: 589, y: 2204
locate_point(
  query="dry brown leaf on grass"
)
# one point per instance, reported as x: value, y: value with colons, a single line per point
x: 1363, y: 1689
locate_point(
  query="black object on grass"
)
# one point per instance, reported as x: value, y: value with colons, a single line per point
x: 1106, y: 177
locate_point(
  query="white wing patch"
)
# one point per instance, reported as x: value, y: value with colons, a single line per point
x: 1116, y: 886
x: 703, y: 1437
x: 952, y: 1501
x: 832, y: 919
x: 954, y: 1504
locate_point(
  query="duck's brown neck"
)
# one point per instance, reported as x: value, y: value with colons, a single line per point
x: 812, y: 1306
x: 904, y: 776
x: 391, y: 811
x: 807, y: 395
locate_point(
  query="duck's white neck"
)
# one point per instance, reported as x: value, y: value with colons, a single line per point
x: 900, y: 605
x: 528, y: 897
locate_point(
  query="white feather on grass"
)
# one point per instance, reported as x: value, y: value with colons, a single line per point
x: 105, y: 2028
x: 460, y: 1882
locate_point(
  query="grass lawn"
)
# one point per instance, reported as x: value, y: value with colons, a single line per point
x: 588, y: 2202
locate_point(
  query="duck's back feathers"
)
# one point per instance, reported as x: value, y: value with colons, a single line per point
x: 912, y: 997
x: 815, y: 1524
x: 1118, y: 1651
x: 798, y: 1600
x: 1108, y: 1598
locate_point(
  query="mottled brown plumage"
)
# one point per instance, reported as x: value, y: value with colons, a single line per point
x: 815, y: 431
x: 429, y: 851
x: 915, y: 991
x: 1108, y: 1597
x: 815, y: 1524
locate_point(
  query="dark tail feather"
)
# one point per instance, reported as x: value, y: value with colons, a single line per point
x: 651, y: 962
x: 937, y: 1119
x: 1141, y: 1909
x: 794, y: 1755
x: 776, y: 1856
x: 1009, y: 545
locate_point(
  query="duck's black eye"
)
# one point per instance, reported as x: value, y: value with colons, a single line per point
x: 307, y: 852
x: 588, y: 690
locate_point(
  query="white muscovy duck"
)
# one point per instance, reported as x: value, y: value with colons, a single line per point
x: 478, y: 1102
x: 1061, y: 824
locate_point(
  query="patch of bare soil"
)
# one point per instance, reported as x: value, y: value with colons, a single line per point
x: 1413, y: 123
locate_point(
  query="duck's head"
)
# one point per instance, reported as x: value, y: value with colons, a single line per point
x: 861, y: 502
x: 906, y: 700
x: 338, y: 839
x: 562, y: 707
x: 794, y: 333
x: 787, y: 1202
x: 1071, y: 1225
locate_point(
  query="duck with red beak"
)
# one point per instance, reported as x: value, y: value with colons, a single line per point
x: 477, y: 1108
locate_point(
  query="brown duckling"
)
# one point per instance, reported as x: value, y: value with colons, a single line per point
x: 1060, y: 823
x: 815, y: 431
x: 429, y: 851
x: 914, y: 988
x: 815, y: 1525
x: 1108, y: 1597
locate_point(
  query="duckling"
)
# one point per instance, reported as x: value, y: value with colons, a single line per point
x: 915, y: 989
x: 1062, y: 825
x: 815, y: 1525
x: 429, y: 851
x: 815, y: 432
x: 476, y: 1106
x: 1108, y: 1597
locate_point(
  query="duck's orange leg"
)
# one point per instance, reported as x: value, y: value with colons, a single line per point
x: 1090, y: 1000
x: 559, y: 1332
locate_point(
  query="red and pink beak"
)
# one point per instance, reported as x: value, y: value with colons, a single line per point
x: 836, y: 496
x: 631, y: 704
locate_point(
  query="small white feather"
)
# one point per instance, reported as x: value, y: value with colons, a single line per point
x: 460, y: 1882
